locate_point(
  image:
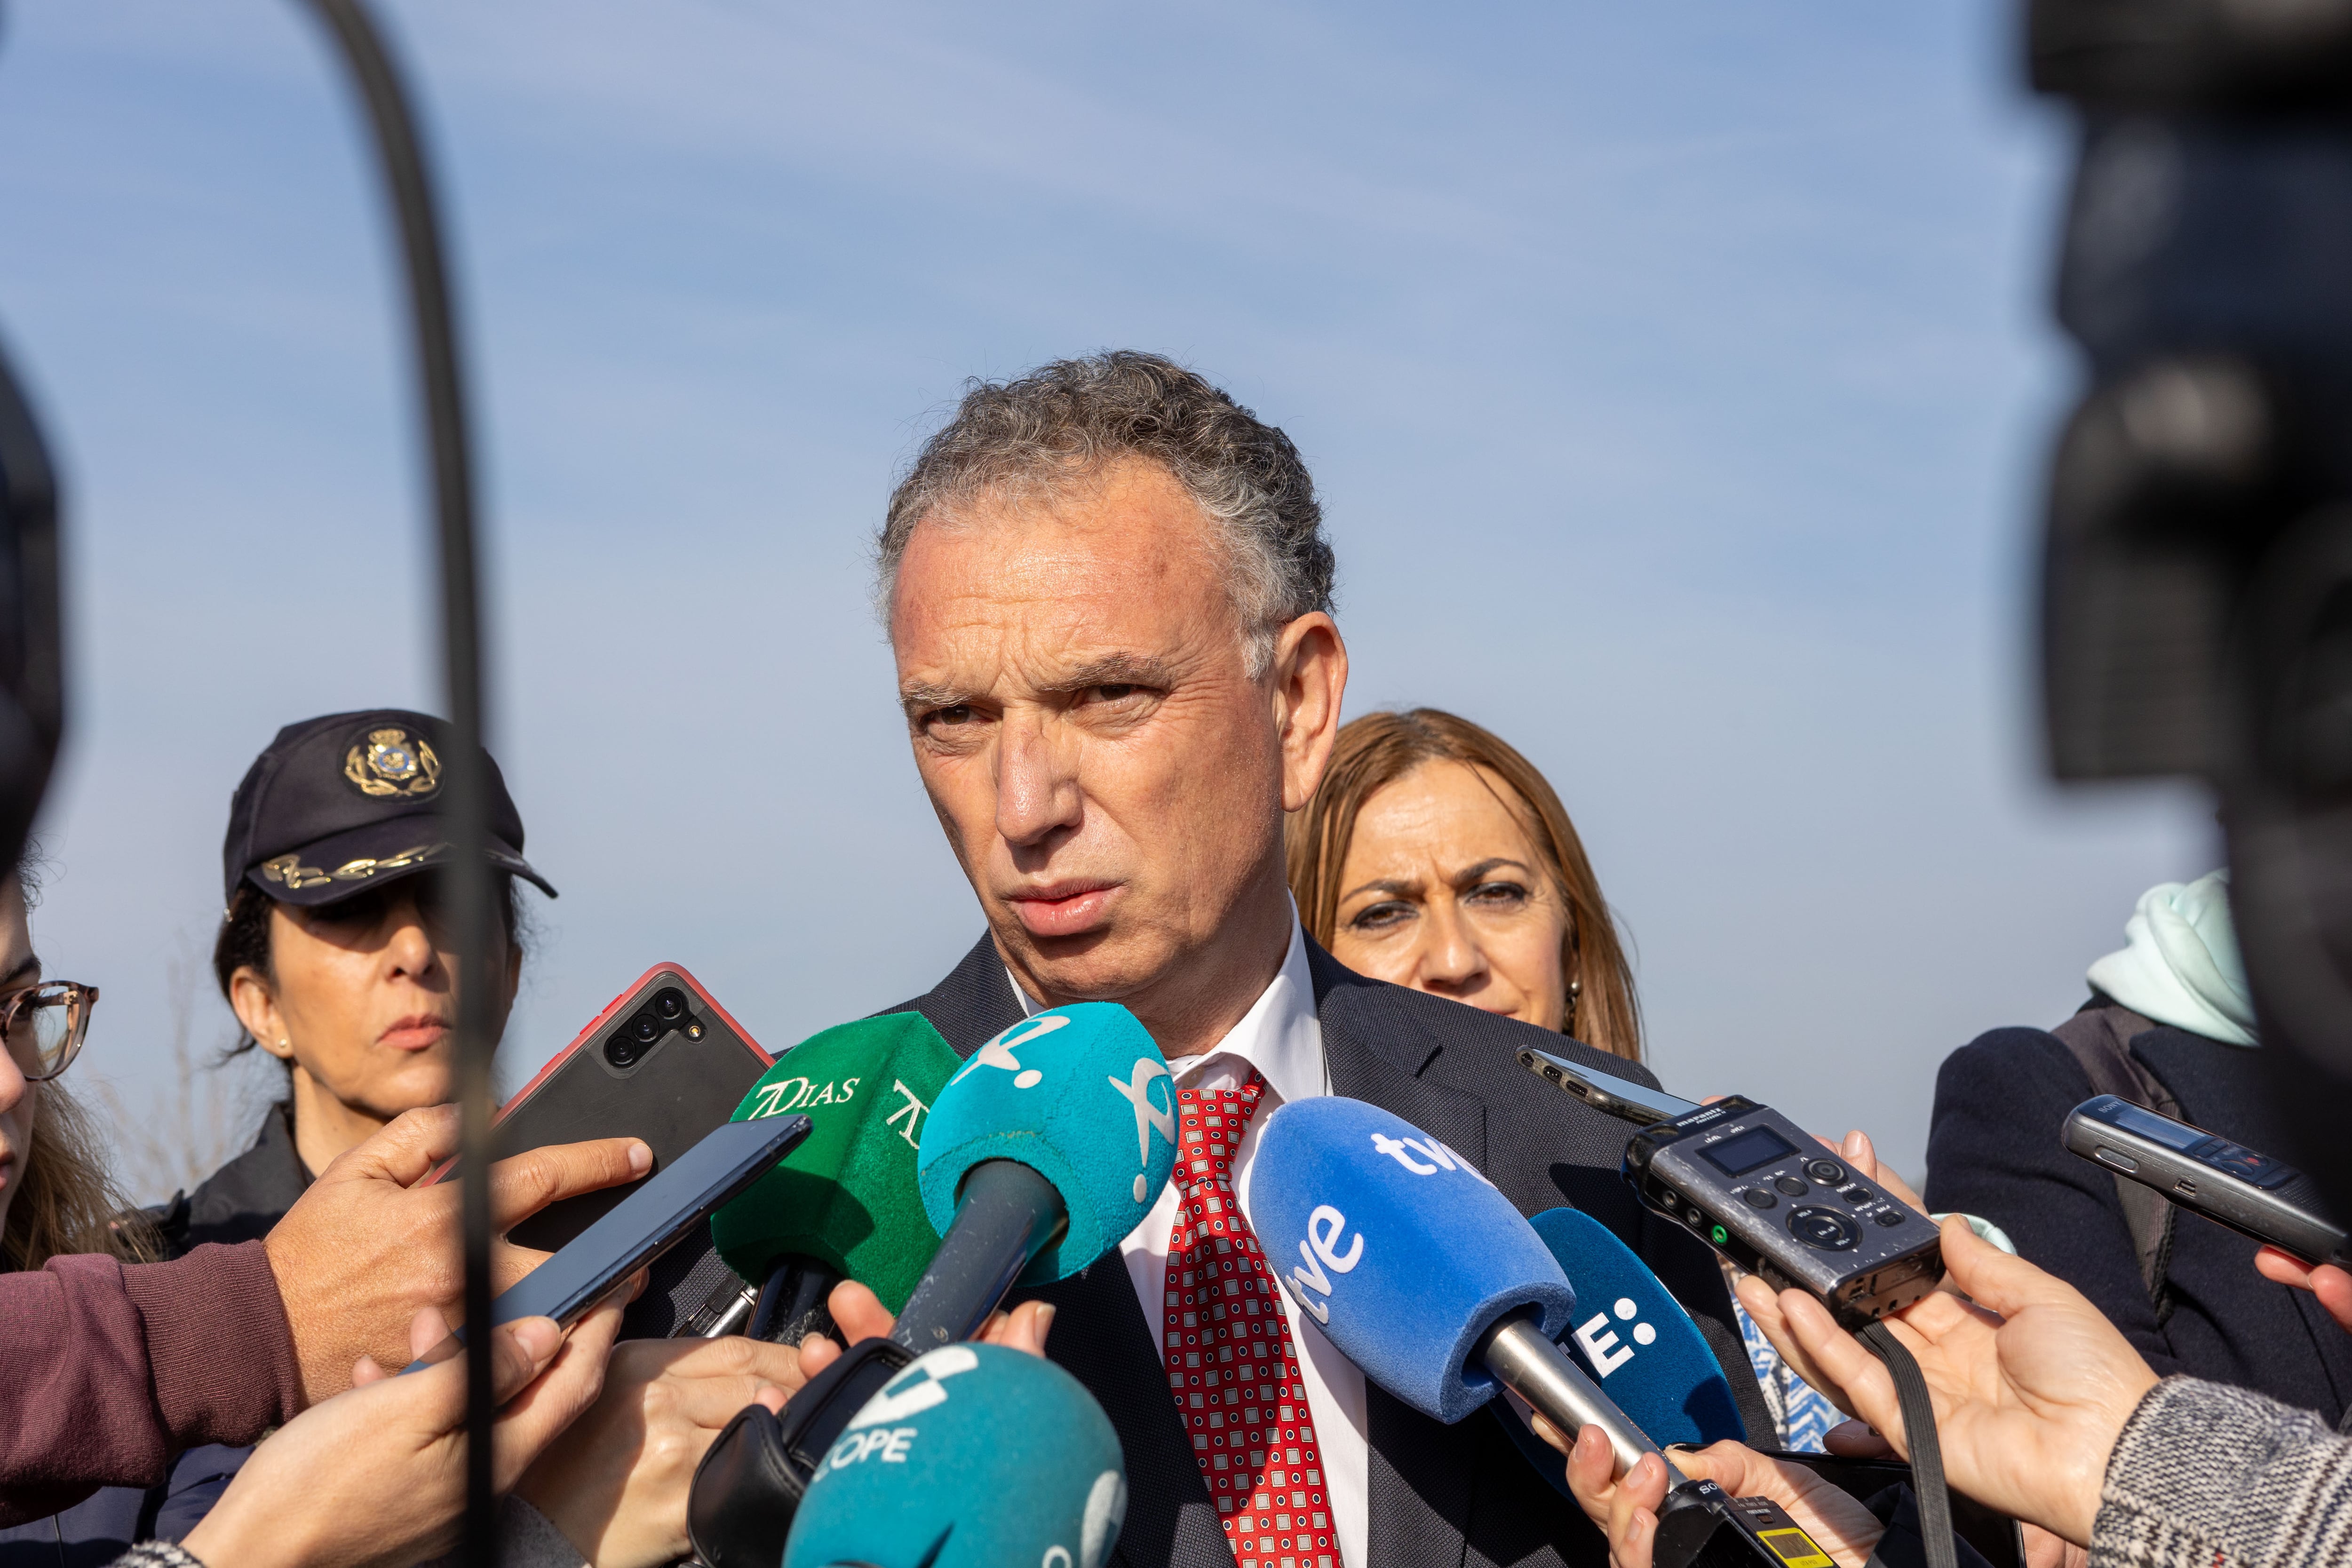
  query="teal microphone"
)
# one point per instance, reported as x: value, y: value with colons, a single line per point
x: 972, y: 1457
x: 1044, y: 1150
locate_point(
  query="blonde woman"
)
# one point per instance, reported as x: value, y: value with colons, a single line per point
x: 1435, y: 856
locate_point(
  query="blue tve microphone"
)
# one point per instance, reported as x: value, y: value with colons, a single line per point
x: 1400, y: 1248
x: 1634, y: 1339
x: 972, y: 1457
x: 1427, y: 1279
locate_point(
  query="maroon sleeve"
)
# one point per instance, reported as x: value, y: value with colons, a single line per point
x: 109, y: 1369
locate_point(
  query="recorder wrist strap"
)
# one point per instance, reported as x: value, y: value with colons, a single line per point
x: 1919, y: 1433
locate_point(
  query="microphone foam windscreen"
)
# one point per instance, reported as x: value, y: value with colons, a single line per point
x: 1634, y: 1339
x: 1398, y: 1247
x: 1078, y: 1094
x: 846, y: 1197
x: 973, y: 1457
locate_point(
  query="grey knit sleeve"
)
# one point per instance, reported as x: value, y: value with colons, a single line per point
x: 2215, y: 1477
x: 157, y: 1555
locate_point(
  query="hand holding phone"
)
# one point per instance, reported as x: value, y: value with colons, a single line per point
x: 2251, y: 1192
x: 654, y: 1216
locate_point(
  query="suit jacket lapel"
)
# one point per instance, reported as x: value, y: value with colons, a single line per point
x: 1420, y: 1477
x: 1102, y: 1337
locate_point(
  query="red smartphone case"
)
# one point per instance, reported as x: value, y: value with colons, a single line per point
x: 612, y: 1082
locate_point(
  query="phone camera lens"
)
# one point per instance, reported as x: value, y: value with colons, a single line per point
x: 670, y: 1006
x: 645, y: 1028
x: 621, y: 1050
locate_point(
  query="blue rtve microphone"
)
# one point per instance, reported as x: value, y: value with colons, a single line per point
x: 1046, y: 1147
x: 1428, y: 1279
x: 1396, y: 1244
x: 972, y: 1457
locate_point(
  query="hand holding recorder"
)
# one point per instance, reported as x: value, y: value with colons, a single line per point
x: 2030, y: 1385
x: 1626, y: 1507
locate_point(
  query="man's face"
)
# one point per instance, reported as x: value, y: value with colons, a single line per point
x: 1111, y: 777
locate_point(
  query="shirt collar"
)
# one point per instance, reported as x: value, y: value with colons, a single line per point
x: 1280, y: 1036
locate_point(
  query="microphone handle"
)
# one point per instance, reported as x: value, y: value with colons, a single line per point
x: 791, y: 1303
x: 1006, y: 1215
x: 1539, y: 1371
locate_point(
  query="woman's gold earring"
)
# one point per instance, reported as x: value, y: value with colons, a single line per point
x: 1568, y: 1024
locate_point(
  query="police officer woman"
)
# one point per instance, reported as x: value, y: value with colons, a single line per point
x: 333, y: 953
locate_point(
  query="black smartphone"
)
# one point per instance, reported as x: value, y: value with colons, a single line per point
x: 664, y: 1062
x: 2251, y: 1193
x: 656, y: 1214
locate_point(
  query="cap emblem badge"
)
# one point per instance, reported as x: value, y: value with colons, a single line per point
x: 389, y: 763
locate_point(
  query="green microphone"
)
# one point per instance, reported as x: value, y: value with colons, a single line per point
x: 845, y: 1203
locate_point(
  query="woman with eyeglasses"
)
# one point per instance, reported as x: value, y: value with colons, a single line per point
x: 56, y: 1195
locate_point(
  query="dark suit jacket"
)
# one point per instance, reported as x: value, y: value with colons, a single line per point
x: 1996, y: 1149
x: 1460, y: 1495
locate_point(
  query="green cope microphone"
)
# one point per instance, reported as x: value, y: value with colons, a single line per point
x: 844, y: 1204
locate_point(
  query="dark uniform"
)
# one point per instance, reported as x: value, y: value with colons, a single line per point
x: 337, y: 806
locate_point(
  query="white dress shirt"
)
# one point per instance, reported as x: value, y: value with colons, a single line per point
x: 1283, y: 1039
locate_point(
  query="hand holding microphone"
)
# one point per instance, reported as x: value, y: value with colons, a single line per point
x: 615, y: 1484
x: 1654, y: 1362
x: 1429, y: 1280
x: 1627, y: 1507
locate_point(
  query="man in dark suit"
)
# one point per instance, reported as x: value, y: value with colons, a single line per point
x: 1108, y: 594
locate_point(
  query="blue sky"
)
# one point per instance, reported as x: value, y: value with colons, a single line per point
x: 1678, y: 381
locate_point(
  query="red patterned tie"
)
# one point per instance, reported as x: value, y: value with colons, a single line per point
x: 1230, y: 1360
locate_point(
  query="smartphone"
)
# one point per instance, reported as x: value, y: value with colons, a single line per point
x: 1619, y: 1096
x: 654, y: 1216
x: 2229, y: 1183
x: 663, y: 1062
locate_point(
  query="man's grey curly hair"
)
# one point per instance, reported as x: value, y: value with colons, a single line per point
x: 1061, y: 424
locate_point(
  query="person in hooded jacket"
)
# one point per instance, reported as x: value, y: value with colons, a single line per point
x: 2169, y: 1024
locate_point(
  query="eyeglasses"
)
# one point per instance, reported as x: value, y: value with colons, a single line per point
x: 44, y: 1024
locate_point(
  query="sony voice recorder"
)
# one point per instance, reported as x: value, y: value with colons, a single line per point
x: 1766, y: 1194
x: 2206, y: 1173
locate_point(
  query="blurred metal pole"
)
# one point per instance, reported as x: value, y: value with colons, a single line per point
x: 465, y: 803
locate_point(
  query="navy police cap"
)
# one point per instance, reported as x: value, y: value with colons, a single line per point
x: 349, y: 802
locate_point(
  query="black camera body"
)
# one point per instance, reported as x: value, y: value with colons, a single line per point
x: 2197, y: 566
x: 1763, y: 1192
